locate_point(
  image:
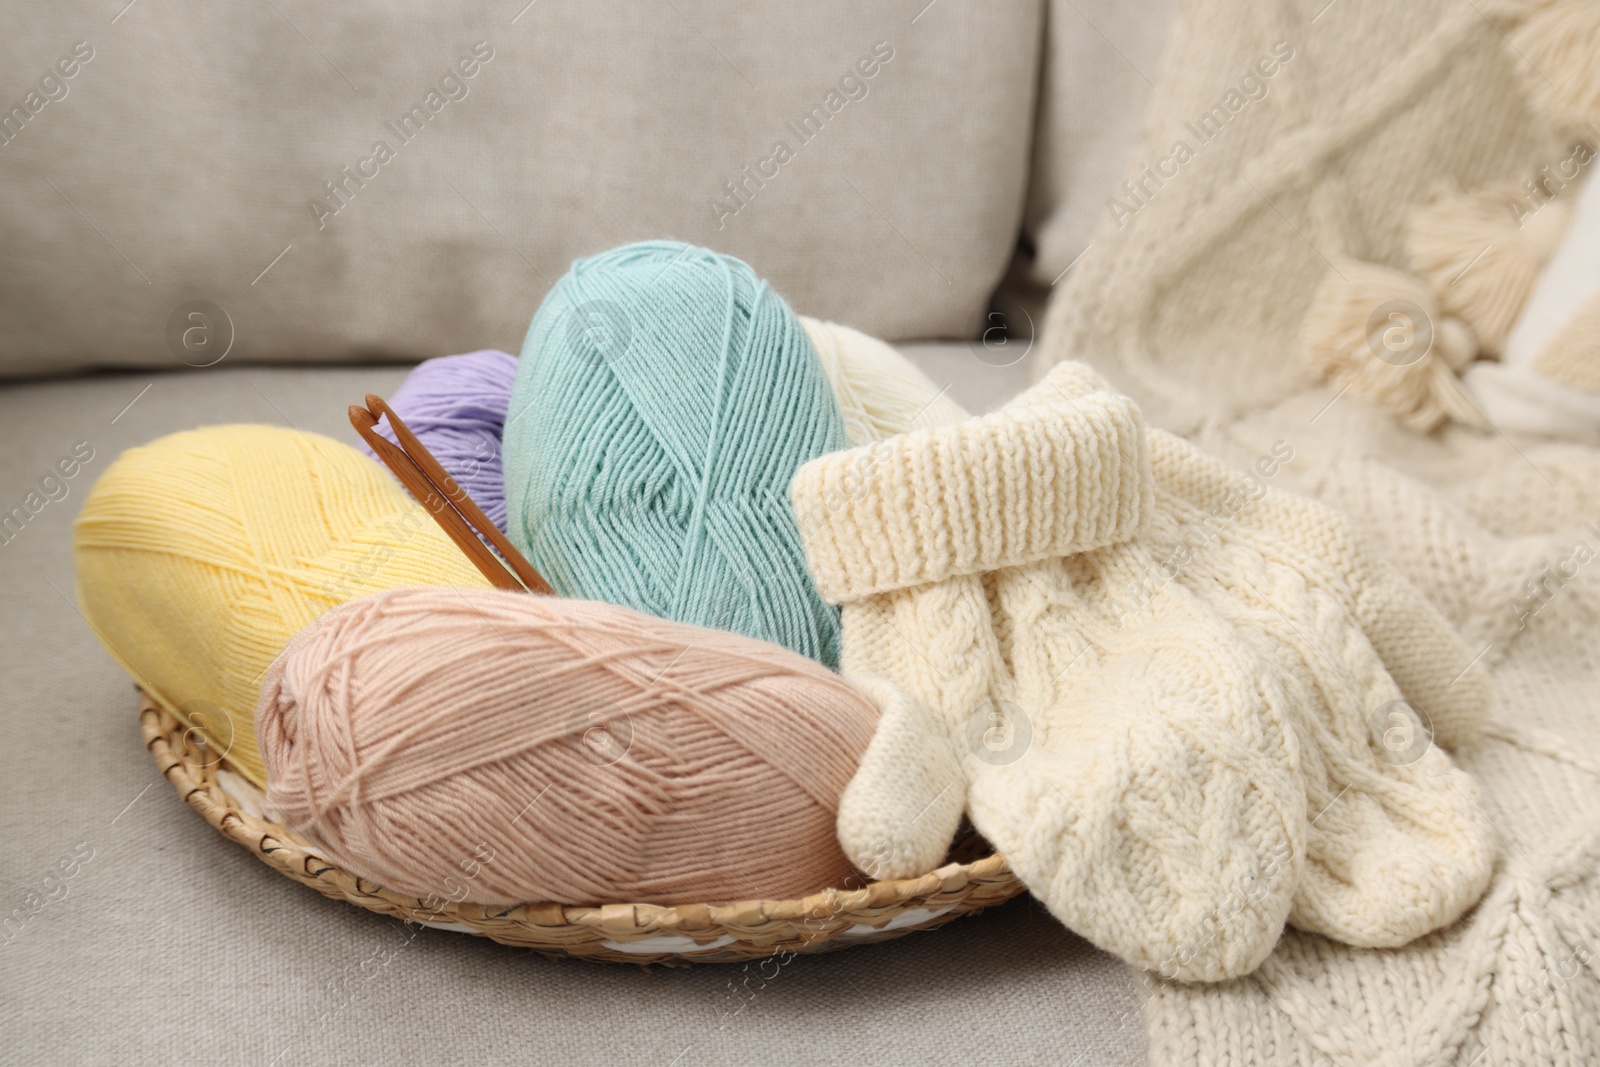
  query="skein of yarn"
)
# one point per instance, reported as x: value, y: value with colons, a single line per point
x: 665, y: 398
x: 880, y: 393
x: 202, y: 553
x: 456, y: 405
x: 500, y: 748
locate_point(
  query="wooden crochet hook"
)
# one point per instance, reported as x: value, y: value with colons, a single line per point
x: 450, y: 505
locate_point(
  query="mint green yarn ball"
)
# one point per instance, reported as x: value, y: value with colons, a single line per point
x: 664, y: 400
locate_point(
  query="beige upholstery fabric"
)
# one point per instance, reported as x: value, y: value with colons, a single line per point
x: 178, y: 163
x: 1101, y: 60
x: 171, y: 945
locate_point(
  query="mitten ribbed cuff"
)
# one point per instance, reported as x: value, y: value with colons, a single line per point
x: 1049, y: 477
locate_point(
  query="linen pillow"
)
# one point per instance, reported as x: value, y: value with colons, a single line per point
x: 310, y: 182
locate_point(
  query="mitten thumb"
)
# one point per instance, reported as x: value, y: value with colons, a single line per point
x: 898, y: 814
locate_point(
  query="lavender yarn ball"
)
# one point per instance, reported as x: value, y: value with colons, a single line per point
x: 456, y: 405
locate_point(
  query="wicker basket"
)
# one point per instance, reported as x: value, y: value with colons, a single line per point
x: 631, y: 933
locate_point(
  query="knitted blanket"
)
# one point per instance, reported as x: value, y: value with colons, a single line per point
x: 1286, y: 135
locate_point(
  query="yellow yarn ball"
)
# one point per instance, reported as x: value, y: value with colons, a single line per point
x: 201, y: 554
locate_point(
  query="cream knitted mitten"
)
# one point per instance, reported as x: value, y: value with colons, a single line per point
x: 1137, y: 769
x: 1398, y: 845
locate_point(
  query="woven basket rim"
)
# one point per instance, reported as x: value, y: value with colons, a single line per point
x: 286, y: 851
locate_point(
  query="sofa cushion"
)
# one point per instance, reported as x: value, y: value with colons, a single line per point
x: 404, y: 179
x: 1101, y: 59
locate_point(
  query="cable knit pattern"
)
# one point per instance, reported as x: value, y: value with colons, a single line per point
x: 1393, y: 839
x: 1157, y: 811
x: 1136, y: 765
x: 1194, y: 301
x: 1397, y: 846
x: 1194, y: 304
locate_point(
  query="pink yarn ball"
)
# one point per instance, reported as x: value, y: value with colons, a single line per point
x: 504, y: 748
